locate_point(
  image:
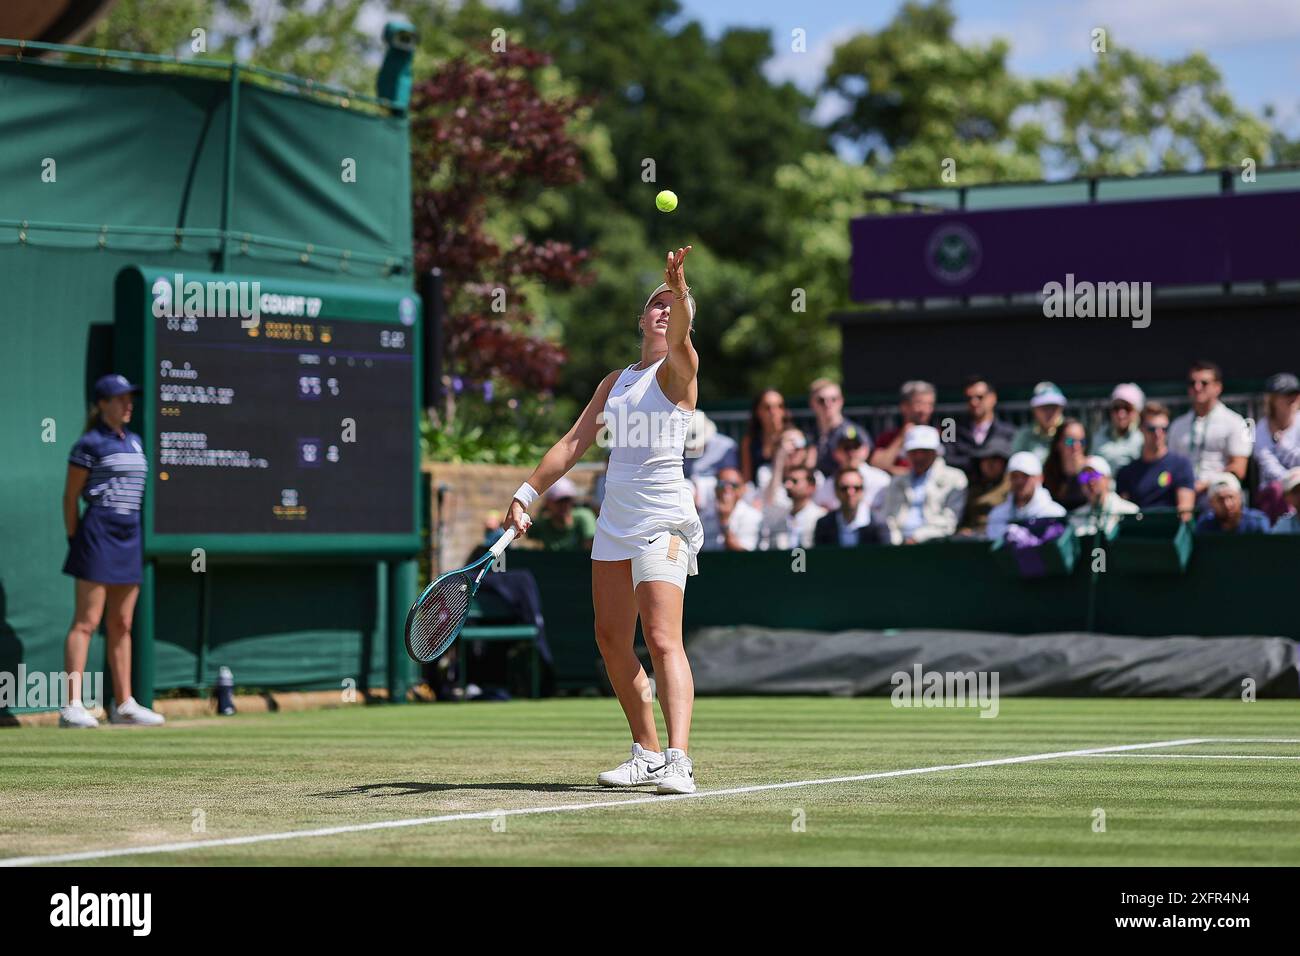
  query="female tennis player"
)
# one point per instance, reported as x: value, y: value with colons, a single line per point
x: 648, y: 534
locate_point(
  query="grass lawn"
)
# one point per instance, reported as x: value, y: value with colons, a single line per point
x: 65, y: 791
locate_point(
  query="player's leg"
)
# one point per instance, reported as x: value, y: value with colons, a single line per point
x: 615, y: 606
x: 88, y: 612
x: 660, y: 602
x: 119, y: 610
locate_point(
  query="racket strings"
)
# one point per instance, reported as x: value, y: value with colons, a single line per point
x: 439, y: 617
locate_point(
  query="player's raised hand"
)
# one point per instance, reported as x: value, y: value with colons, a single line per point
x: 675, y: 271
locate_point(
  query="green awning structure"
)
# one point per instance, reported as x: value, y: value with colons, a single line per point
x: 111, y: 160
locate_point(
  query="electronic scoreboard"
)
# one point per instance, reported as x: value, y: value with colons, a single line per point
x: 279, y: 416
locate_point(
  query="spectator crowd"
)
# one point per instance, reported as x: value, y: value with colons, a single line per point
x: 976, y: 476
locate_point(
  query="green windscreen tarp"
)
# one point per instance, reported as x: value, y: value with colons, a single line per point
x: 101, y: 168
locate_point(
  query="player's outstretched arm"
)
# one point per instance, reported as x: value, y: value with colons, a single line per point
x: 563, y: 455
x: 683, y: 361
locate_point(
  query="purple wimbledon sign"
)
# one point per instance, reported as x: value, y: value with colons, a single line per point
x: 1193, y: 241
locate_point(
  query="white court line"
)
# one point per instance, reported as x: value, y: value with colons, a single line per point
x: 1195, y: 756
x: 567, y: 808
x: 1254, y: 740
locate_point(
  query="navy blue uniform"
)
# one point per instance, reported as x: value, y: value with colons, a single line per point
x: 107, y: 547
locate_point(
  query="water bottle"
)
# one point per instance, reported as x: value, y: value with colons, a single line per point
x: 225, y: 692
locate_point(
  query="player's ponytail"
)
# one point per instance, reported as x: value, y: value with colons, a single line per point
x: 92, y: 418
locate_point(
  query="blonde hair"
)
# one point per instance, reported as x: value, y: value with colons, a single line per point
x: 93, y: 418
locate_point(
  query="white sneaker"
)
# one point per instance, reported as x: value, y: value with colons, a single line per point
x: 643, y: 767
x: 678, y: 775
x: 130, y: 712
x: 76, y: 715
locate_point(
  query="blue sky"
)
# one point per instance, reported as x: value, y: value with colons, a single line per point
x: 1254, y: 43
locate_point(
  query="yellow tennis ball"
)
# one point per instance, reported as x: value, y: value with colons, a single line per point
x: 666, y: 201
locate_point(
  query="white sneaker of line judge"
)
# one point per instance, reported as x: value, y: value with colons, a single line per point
x: 131, y: 712
x: 76, y: 715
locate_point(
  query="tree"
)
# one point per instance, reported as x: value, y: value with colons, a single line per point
x: 1126, y: 113
x: 701, y: 111
x: 482, y: 133
x: 322, y: 41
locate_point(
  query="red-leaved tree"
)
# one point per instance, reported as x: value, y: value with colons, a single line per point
x: 481, y: 131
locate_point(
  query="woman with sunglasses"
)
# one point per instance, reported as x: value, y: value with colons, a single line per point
x: 1065, y: 463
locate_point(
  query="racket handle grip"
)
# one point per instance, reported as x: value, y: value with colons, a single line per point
x: 502, y: 543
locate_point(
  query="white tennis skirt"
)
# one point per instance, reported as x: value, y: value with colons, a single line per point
x: 639, y: 505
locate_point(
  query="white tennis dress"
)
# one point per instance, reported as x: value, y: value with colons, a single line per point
x: 646, y: 492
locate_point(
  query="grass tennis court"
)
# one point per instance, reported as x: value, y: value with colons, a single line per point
x: 1205, y: 803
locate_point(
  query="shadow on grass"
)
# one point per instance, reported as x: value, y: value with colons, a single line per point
x: 409, y: 788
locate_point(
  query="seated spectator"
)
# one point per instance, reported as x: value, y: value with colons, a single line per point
x: 851, y: 452
x: 1277, y: 442
x: 850, y: 524
x: 1048, y: 410
x: 768, y: 421
x: 793, y: 451
x: 1028, y: 498
x: 980, y: 425
x: 1104, y: 510
x: 1289, y: 523
x: 790, y: 523
x: 827, y: 403
x: 562, y: 526
x: 1158, y: 478
x: 1226, y: 514
x: 1211, y: 435
x: 1121, y: 442
x: 990, y: 486
x: 707, y: 451
x: 1065, y: 462
x: 916, y: 406
x: 731, y: 524
x: 927, y: 502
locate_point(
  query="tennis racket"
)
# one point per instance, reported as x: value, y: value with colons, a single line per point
x: 435, y: 620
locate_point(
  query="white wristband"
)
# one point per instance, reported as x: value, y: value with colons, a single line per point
x: 526, y: 494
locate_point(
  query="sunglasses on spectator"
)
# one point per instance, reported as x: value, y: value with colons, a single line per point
x: 1155, y: 428
x: 1121, y: 407
x: 1073, y: 442
x: 1200, y: 382
x: 1088, y: 476
x: 728, y: 484
x: 827, y: 399
x: 850, y: 488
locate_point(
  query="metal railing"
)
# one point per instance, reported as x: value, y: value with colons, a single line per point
x: 1094, y: 413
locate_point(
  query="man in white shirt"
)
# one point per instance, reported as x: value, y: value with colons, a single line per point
x: 791, y: 523
x: 1277, y: 442
x: 1028, y: 498
x: 731, y: 525
x: 1212, y: 436
x: 851, y: 452
x: 792, y: 451
x: 1105, y: 509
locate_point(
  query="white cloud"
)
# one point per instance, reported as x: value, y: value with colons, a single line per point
x: 806, y: 70
x: 1198, y: 23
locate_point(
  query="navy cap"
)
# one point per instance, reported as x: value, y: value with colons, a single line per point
x: 1283, y: 383
x: 110, y: 385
